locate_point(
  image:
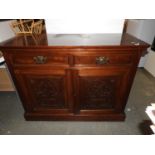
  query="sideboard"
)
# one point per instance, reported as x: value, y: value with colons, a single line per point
x: 73, y: 77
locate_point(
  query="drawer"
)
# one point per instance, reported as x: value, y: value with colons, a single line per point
x: 39, y: 58
x: 104, y: 59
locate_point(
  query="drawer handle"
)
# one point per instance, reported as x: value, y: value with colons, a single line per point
x: 102, y: 60
x: 40, y: 59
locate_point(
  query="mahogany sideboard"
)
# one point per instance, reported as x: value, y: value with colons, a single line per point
x: 73, y: 77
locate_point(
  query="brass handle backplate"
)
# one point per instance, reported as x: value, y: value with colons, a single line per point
x: 40, y: 59
x: 102, y: 60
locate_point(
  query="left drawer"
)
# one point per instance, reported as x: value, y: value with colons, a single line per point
x: 38, y: 58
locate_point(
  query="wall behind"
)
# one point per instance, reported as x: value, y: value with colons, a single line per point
x: 5, y: 31
x: 143, y: 29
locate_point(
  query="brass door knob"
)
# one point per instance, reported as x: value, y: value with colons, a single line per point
x: 102, y: 60
x: 40, y: 59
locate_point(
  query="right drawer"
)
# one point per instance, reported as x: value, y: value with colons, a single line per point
x: 104, y: 59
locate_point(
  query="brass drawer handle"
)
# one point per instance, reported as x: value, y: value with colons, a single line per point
x: 40, y: 59
x: 102, y: 60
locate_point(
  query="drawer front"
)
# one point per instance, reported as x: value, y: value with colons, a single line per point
x: 104, y: 59
x: 39, y: 58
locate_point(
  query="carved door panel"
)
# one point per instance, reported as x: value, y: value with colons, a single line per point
x: 99, y: 90
x: 43, y: 90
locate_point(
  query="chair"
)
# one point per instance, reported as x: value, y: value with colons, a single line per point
x: 27, y: 26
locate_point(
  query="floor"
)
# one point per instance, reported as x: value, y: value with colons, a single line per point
x: 142, y: 94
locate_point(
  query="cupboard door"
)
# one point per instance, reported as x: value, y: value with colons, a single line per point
x: 99, y: 90
x: 44, y: 90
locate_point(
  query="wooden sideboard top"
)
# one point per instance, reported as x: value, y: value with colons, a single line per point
x: 73, y: 41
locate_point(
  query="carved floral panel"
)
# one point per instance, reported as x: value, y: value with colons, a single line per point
x: 97, y: 92
x: 48, y: 91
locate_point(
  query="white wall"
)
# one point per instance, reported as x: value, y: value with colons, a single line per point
x: 143, y: 29
x: 61, y: 26
x: 150, y: 63
x: 5, y: 31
